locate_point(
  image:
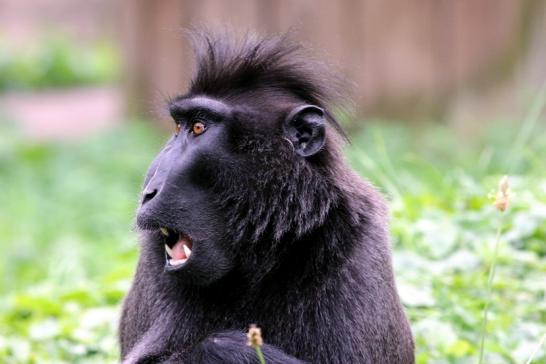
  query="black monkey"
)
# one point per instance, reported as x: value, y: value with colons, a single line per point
x: 250, y: 215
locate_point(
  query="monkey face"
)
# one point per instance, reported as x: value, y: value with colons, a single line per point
x: 177, y: 199
x: 208, y: 191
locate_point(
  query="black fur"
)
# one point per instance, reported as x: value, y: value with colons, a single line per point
x: 298, y: 245
x: 226, y: 68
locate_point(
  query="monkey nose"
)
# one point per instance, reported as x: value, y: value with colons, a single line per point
x: 148, y: 194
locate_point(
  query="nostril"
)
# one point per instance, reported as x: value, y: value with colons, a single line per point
x: 147, y: 195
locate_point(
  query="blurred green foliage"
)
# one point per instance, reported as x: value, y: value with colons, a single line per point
x: 67, y: 249
x: 56, y: 61
x: 443, y: 229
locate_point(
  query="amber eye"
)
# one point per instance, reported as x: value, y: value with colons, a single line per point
x: 177, y: 129
x: 198, y: 128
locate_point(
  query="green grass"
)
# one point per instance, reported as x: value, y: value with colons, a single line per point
x: 56, y: 61
x: 67, y: 249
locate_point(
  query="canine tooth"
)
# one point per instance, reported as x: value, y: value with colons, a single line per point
x: 187, y: 250
x: 164, y: 231
x: 169, y: 250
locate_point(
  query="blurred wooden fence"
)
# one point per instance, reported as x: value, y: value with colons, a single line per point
x: 405, y: 57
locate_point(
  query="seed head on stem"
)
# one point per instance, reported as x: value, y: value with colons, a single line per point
x: 254, y: 339
x: 502, y: 197
x: 254, y: 336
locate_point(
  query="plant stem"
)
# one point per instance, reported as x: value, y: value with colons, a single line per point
x: 489, y: 291
x: 536, y: 349
x: 531, y: 119
x: 260, y: 355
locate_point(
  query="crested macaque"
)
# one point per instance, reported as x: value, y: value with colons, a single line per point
x: 250, y: 214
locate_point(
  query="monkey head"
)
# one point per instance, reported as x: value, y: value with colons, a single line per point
x: 246, y: 172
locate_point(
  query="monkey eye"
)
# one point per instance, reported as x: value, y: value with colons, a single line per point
x: 198, y: 128
x: 177, y: 129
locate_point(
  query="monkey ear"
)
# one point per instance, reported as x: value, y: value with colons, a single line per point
x: 305, y: 129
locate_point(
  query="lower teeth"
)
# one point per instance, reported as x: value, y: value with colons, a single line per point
x: 177, y: 262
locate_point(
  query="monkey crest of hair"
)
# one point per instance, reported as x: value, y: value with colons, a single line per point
x: 250, y: 214
x: 226, y: 66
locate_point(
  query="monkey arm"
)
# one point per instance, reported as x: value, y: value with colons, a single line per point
x: 149, y: 349
x: 229, y: 347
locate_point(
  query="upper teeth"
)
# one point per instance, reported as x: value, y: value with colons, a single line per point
x: 164, y: 231
x: 187, y: 250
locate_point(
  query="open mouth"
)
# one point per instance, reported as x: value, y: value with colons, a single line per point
x: 178, y: 247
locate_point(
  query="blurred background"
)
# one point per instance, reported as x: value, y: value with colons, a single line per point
x: 448, y: 96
